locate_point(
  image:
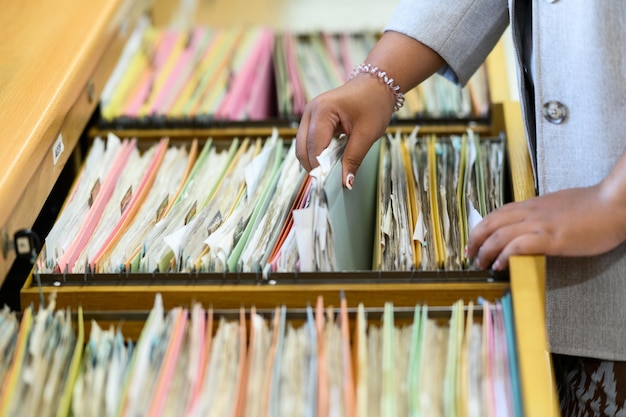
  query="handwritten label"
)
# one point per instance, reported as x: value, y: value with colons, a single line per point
x: 57, y: 148
x: 162, y: 208
x: 215, y: 223
x: 126, y: 199
x: 191, y: 213
x: 94, y: 192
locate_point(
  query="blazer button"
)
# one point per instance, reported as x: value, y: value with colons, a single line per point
x: 554, y: 111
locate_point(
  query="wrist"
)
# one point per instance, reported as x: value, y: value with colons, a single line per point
x: 368, y: 70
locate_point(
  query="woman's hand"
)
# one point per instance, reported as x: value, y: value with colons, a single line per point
x: 361, y: 109
x: 573, y: 222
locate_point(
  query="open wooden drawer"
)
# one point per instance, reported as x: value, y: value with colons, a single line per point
x: 114, y: 300
x: 63, y: 71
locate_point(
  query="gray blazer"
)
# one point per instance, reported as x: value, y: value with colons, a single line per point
x: 576, y: 64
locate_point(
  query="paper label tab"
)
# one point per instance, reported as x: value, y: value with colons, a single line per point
x: 57, y: 149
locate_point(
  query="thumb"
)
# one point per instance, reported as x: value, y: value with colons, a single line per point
x: 356, y: 149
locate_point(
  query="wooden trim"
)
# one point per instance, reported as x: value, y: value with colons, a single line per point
x: 507, y: 118
x: 535, y: 364
x: 141, y: 297
x: 230, y: 132
x: 497, y: 74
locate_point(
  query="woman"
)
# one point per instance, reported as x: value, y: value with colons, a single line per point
x: 572, y: 76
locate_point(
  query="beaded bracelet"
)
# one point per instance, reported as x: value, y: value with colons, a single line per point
x: 382, y: 75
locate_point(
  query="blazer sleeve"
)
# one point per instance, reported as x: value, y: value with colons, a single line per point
x: 462, y: 32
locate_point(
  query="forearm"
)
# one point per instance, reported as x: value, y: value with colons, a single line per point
x: 408, y: 61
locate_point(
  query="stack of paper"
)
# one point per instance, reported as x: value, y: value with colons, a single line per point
x: 105, y: 362
x: 9, y: 327
x: 199, y: 362
x: 199, y: 73
x: 331, y: 226
x: 432, y: 191
x: 250, y: 207
x: 44, y: 358
x: 204, y: 75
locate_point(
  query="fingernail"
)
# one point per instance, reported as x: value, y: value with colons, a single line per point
x: 465, y: 251
x: 349, y: 181
x: 497, y: 265
x: 477, y: 263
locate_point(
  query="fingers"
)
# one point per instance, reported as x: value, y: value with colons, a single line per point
x: 527, y: 244
x: 359, y: 143
x: 506, y: 215
x: 507, y: 241
x: 301, y: 141
x: 317, y: 127
x: 498, y: 235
